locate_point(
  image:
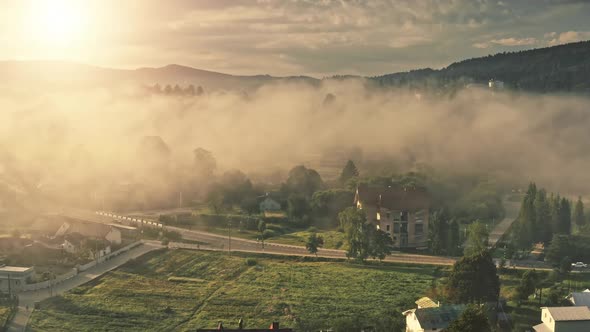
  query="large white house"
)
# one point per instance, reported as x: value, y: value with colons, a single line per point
x: 564, y: 319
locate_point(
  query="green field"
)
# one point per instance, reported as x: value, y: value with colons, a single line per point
x: 184, y: 290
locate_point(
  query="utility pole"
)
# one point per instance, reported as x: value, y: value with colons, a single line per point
x: 9, y: 288
x: 180, y: 199
x: 229, y: 236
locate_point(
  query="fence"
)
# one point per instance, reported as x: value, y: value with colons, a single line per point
x: 74, y: 271
x: 130, y: 220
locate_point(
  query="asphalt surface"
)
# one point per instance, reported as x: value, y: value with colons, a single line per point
x: 221, y: 242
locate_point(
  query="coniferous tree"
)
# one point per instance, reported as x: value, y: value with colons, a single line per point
x: 565, y: 217
x: 579, y: 217
x: 348, y: 172
x: 554, y: 205
x: 543, y: 217
x: 453, y: 242
x: 438, y: 232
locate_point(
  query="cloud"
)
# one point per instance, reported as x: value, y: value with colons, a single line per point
x: 365, y: 37
x: 481, y: 45
x: 568, y: 37
x: 515, y: 41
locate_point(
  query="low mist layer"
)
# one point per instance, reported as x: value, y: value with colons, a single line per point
x: 99, y: 138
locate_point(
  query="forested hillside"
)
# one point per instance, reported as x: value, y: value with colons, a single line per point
x: 558, y: 68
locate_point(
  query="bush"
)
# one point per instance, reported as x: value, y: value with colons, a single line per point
x: 251, y: 262
x: 269, y: 233
x: 312, y: 229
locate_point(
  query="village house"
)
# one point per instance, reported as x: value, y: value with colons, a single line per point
x: 91, y: 230
x: 13, y: 278
x: 564, y: 319
x: 75, y: 243
x: 580, y: 298
x: 400, y: 212
x: 432, y: 317
x: 269, y: 204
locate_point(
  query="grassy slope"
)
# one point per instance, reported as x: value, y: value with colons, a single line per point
x: 135, y: 296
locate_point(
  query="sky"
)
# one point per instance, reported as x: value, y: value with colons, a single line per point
x: 291, y: 37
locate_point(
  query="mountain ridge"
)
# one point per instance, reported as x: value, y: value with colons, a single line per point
x: 557, y: 68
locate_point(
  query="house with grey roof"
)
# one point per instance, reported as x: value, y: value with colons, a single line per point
x: 564, y: 319
x: 580, y: 298
x: 432, y: 318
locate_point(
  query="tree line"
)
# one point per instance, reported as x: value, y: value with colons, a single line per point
x: 175, y: 90
x: 544, y: 215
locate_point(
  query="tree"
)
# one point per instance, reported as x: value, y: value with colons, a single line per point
x: 205, y: 163
x: 527, y: 217
x: 543, y: 217
x: 328, y: 203
x: 380, y: 243
x: 474, y: 279
x: 473, y: 319
x: 297, y: 206
x: 200, y: 90
x: 438, y: 232
x: 557, y: 249
x: 314, y: 242
x: 304, y: 181
x: 454, y: 241
x: 177, y: 90
x: 215, y: 200
x: 190, y: 90
x: 353, y: 221
x: 565, y: 266
x: 579, y: 217
x: 348, y: 172
x: 527, y: 286
x: 261, y: 229
x: 565, y: 217
x: 477, y: 239
x: 168, y: 89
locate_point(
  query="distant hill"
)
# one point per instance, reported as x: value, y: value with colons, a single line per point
x: 551, y: 69
x: 68, y: 74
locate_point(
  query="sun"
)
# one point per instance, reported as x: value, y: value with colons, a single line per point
x: 57, y: 22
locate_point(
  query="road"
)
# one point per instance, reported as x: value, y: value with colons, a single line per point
x: 221, y: 242
x: 23, y: 314
x: 511, y: 209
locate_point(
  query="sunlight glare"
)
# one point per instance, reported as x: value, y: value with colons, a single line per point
x: 57, y: 23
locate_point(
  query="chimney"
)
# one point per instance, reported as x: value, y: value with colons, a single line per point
x: 274, y: 326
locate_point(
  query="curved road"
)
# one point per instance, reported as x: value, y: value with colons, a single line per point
x: 220, y: 242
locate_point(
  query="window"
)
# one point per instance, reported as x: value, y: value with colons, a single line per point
x: 388, y: 215
x: 404, y: 216
x: 396, y: 228
x: 378, y: 216
x: 387, y: 228
x: 419, y: 229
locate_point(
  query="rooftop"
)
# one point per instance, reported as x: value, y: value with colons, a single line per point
x: 439, y: 317
x: 393, y: 197
x: 14, y: 269
x: 426, y: 302
x: 581, y: 298
x: 569, y: 313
